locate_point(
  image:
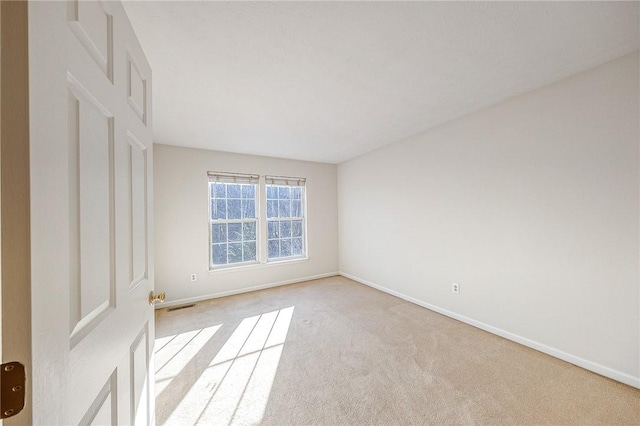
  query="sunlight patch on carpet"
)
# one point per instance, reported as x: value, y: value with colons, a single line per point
x: 235, y: 387
x: 174, y: 353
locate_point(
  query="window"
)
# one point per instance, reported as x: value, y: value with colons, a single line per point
x: 285, y: 217
x: 239, y: 230
x: 233, y: 218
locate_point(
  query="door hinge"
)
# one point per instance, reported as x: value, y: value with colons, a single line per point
x: 12, y: 383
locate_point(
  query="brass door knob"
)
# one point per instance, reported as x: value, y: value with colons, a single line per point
x: 156, y: 298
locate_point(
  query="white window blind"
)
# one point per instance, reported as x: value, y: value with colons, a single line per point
x: 285, y: 181
x: 241, y: 178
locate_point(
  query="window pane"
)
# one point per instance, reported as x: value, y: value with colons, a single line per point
x: 234, y: 210
x: 235, y: 252
x: 273, y: 229
x: 296, y: 247
x: 249, y: 251
x: 296, y: 228
x: 233, y: 190
x: 272, y: 192
x: 284, y: 208
x: 218, y: 190
x: 285, y: 228
x: 285, y: 247
x: 248, y: 191
x: 219, y: 254
x: 248, y: 209
x: 219, y: 232
x: 274, y: 249
x: 235, y: 231
x: 219, y: 209
x: 235, y: 242
x: 296, y: 192
x: 249, y: 231
x: 272, y: 208
x: 296, y: 208
x: 284, y: 193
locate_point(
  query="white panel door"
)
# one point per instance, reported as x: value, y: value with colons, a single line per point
x: 91, y: 198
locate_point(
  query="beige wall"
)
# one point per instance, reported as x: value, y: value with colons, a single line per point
x: 530, y: 205
x: 182, y: 227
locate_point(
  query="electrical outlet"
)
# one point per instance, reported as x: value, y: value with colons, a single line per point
x: 193, y: 277
x: 455, y: 287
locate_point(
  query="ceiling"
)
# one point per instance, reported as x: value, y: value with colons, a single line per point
x: 327, y: 81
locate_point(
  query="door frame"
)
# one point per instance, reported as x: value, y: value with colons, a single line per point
x: 15, y: 246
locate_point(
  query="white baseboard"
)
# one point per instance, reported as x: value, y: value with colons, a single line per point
x: 188, y: 300
x: 573, y: 359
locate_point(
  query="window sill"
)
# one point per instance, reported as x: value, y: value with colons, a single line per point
x: 233, y: 266
x: 286, y: 260
x: 258, y: 265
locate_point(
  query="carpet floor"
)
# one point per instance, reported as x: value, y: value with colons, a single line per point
x: 335, y: 352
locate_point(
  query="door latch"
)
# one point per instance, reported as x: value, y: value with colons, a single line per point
x: 156, y: 298
x: 12, y: 379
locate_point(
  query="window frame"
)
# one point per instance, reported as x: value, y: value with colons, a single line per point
x: 227, y: 221
x: 262, y: 232
x: 280, y: 181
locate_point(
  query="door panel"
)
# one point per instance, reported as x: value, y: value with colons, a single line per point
x: 91, y: 209
x: 104, y: 409
x: 138, y: 175
x: 92, y: 198
x: 140, y: 379
x: 137, y: 86
x: 92, y: 24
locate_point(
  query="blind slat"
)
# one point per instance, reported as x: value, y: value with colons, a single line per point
x: 286, y: 181
x: 233, y: 177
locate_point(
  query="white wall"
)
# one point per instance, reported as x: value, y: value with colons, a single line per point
x: 182, y: 227
x: 530, y: 205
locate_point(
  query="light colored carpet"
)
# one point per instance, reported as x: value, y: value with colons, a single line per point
x: 335, y: 352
